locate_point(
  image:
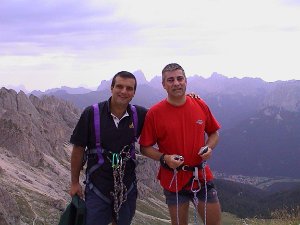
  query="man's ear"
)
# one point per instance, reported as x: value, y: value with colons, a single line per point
x: 163, y: 84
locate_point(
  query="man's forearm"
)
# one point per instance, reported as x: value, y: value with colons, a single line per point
x: 213, y: 140
x: 151, y: 152
x: 76, y: 163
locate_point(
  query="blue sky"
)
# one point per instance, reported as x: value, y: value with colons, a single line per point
x: 46, y: 44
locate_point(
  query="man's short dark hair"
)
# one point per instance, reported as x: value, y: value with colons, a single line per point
x: 171, y: 67
x: 123, y: 74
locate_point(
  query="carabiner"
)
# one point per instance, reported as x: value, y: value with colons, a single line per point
x: 199, y: 185
x: 115, y: 160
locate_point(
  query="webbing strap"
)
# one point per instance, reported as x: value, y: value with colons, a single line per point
x: 135, y: 124
x: 99, y: 193
x: 135, y: 120
x: 102, y: 196
x: 97, y: 133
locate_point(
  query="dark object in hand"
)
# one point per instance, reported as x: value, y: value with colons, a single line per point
x: 203, y: 150
x: 178, y: 157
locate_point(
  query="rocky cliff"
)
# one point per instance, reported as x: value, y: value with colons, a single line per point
x: 35, y: 161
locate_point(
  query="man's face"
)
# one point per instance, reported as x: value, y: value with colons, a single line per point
x: 175, y: 83
x: 123, y: 90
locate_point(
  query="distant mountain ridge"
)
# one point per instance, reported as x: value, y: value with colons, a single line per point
x: 63, y: 89
x: 283, y: 94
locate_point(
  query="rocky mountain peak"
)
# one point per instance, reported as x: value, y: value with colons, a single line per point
x: 140, y: 77
x: 49, y: 120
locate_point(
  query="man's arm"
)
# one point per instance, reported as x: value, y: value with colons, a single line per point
x: 76, y: 165
x: 153, y: 153
x: 211, y: 142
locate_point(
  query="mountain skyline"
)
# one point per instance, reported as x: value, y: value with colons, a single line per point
x: 139, y: 74
x: 78, y: 43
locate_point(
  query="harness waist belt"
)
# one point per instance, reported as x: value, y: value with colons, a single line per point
x: 94, y: 151
x: 186, y: 167
x: 190, y: 168
x: 104, y: 151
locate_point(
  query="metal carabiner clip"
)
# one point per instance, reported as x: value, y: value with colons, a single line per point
x: 196, y: 179
x: 199, y: 185
x: 115, y: 160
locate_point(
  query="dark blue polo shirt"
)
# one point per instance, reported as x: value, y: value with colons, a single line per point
x: 113, y: 139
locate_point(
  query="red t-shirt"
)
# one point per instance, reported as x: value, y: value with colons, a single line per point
x: 179, y: 130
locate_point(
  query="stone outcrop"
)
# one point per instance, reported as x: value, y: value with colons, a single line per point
x: 9, y: 210
x: 31, y: 127
x: 35, y: 159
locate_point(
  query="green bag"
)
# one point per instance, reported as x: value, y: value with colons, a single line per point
x: 75, y: 212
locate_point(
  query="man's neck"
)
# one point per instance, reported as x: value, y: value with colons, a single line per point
x: 177, y: 101
x: 118, y: 110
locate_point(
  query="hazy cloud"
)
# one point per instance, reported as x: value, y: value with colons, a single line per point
x: 66, y: 24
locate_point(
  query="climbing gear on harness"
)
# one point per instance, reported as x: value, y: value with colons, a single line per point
x: 118, y: 162
x: 194, y: 181
x: 119, y: 193
x: 195, y: 191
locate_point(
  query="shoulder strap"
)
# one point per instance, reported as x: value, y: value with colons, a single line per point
x: 135, y: 120
x: 97, y: 124
x: 97, y: 109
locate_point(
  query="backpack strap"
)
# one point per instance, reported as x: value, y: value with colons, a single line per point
x: 98, y: 133
x: 135, y: 120
x: 98, y: 150
x: 135, y: 124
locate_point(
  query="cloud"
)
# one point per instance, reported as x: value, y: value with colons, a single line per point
x: 70, y: 25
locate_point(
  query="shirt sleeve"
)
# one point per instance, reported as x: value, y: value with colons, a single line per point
x: 82, y: 130
x: 148, y: 135
x: 211, y: 125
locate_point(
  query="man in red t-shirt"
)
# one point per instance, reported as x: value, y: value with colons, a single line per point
x: 181, y: 127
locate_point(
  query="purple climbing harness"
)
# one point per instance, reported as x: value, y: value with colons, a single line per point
x: 98, y: 133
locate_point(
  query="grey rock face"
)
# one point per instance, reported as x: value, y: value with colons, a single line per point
x: 31, y: 127
x: 9, y: 210
x: 35, y: 159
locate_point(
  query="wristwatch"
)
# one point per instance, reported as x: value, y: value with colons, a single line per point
x: 162, y: 160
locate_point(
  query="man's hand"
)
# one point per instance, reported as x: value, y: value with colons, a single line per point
x: 205, y: 153
x: 173, y: 161
x: 76, y: 189
x: 193, y: 95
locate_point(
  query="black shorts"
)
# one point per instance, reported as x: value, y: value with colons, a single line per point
x: 186, y: 196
